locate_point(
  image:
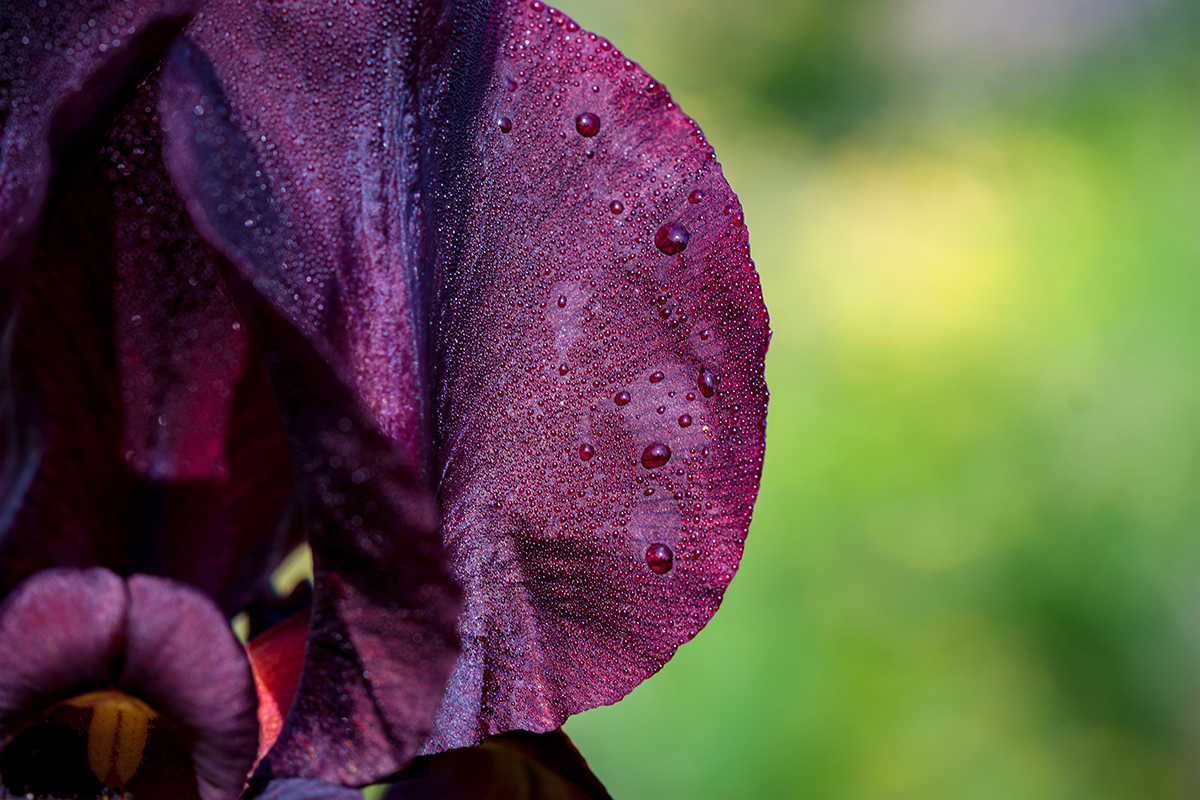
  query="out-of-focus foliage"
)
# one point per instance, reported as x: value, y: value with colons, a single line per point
x: 974, y: 570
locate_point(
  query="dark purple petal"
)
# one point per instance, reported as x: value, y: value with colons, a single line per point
x: 474, y: 292
x: 182, y: 658
x: 141, y: 433
x: 514, y: 766
x: 305, y: 790
x: 65, y: 632
x: 60, y: 633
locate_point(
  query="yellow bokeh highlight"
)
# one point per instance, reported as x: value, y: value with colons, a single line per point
x: 907, y: 253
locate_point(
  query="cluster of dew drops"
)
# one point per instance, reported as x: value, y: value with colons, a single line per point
x: 670, y: 239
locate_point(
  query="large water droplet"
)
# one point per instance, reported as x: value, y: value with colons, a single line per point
x: 616, y: 206
x: 505, y: 124
x: 707, y: 383
x: 696, y: 196
x: 659, y: 558
x: 685, y: 420
x: 656, y: 455
x: 656, y: 376
x: 588, y: 124
x: 672, y: 238
x: 622, y: 398
x: 586, y: 451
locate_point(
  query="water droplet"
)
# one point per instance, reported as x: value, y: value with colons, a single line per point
x: 672, y: 238
x: 649, y: 491
x: 656, y: 376
x: 707, y: 383
x: 616, y: 206
x: 685, y: 420
x: 588, y: 124
x: 705, y: 334
x: 622, y: 398
x: 505, y: 124
x: 656, y: 455
x: 659, y: 558
x: 696, y: 196
x: 586, y: 451
x: 662, y: 409
x: 562, y: 301
x: 563, y: 369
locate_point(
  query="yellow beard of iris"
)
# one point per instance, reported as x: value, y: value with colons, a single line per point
x: 116, y: 737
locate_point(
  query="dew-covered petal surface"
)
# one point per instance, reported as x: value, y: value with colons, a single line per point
x: 513, y: 766
x: 182, y: 658
x: 524, y: 264
x: 60, y: 633
x: 239, y: 102
x: 601, y: 403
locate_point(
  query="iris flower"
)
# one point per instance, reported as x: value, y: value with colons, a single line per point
x: 448, y: 290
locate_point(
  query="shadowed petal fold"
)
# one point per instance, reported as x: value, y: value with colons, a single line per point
x: 138, y: 429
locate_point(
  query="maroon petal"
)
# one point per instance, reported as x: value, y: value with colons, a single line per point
x: 60, y: 633
x: 514, y: 766
x: 563, y: 324
x: 68, y: 632
x: 181, y: 657
x: 141, y: 434
x: 495, y: 282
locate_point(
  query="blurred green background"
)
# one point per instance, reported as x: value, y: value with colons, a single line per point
x: 974, y: 569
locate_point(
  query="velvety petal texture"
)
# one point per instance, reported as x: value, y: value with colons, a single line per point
x: 601, y: 403
x: 514, y: 766
x: 65, y: 633
x: 522, y: 264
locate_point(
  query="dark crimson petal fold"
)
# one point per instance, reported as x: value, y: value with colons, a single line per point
x: 66, y: 632
x: 382, y: 636
x: 140, y: 432
x: 513, y: 766
x: 523, y: 266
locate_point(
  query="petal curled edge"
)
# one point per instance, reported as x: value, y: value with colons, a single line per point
x: 513, y: 766
x: 60, y: 632
x: 555, y: 326
x: 181, y: 657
